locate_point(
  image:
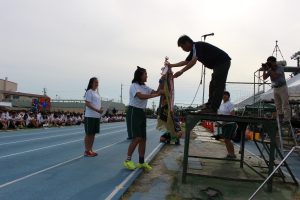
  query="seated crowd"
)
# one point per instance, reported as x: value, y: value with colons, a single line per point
x: 27, y: 119
x: 112, y: 118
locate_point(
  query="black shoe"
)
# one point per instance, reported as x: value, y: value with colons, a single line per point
x: 217, y: 137
x: 230, y: 157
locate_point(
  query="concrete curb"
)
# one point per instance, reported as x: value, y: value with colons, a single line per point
x: 123, y: 187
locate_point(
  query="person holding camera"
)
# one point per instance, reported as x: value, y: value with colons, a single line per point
x: 281, y: 97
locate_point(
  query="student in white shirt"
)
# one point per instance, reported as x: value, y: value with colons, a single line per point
x: 92, y: 116
x: 136, y: 118
x: 3, y: 121
x: 228, y: 128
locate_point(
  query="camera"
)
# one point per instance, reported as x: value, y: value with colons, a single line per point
x: 265, y: 66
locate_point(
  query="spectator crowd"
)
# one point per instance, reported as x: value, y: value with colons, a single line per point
x: 27, y: 119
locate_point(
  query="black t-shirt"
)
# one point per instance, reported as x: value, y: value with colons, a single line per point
x: 208, y: 54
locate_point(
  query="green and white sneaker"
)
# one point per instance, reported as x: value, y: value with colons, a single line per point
x: 129, y: 165
x: 145, y: 165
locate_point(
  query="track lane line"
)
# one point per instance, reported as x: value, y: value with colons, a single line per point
x: 54, y: 136
x: 60, y: 144
x: 46, y: 131
x: 54, y: 166
x: 55, y: 145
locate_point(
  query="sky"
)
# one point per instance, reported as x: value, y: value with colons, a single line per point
x: 60, y: 44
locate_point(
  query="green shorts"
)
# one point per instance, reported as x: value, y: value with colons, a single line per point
x: 229, y: 130
x: 136, y: 122
x: 91, y: 125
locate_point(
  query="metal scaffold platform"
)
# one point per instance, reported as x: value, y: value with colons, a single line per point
x: 268, y: 124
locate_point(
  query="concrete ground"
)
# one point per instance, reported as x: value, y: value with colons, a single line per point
x: 164, y: 181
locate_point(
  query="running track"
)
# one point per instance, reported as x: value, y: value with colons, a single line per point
x: 48, y: 163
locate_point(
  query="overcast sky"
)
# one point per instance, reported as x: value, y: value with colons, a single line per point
x: 60, y: 44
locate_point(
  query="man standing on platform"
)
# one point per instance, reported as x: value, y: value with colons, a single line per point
x: 213, y: 58
x: 281, y: 97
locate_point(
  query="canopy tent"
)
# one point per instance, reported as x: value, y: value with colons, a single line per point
x: 293, y: 87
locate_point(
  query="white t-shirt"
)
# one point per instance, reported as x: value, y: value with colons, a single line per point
x: 134, y: 100
x: 226, y: 108
x: 94, y: 98
x: 28, y: 120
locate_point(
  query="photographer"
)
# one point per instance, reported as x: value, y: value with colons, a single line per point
x: 281, y: 97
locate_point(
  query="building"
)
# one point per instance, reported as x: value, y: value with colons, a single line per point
x: 79, y: 106
x: 10, y: 96
x: 7, y: 86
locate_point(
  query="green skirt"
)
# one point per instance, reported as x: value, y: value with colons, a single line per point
x: 229, y: 130
x: 91, y: 125
x: 136, y: 122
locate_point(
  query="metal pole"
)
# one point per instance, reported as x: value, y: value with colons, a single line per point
x: 203, y: 93
x: 186, y: 149
x: 121, y: 93
x: 254, y: 88
x: 203, y: 85
x: 273, y: 172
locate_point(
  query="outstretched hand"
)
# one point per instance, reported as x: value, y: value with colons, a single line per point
x: 168, y: 64
x: 161, y: 92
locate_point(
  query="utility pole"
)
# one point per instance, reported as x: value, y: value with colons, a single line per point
x: 203, y: 69
x: 153, y: 106
x: 121, y: 93
x: 45, y: 91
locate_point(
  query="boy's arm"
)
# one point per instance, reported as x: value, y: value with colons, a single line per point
x: 180, y: 64
x: 189, y: 65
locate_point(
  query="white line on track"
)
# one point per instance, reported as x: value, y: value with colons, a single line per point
x: 37, y: 132
x: 54, y: 136
x: 41, y: 138
x: 54, y: 166
x: 60, y: 144
x: 55, y: 145
x: 55, y: 130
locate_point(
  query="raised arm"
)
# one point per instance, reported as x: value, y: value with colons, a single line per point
x: 189, y: 65
x: 148, y: 96
x: 180, y: 64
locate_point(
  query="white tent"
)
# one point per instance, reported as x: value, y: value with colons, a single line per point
x: 293, y: 87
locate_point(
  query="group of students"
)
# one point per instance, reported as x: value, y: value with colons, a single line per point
x: 211, y: 56
x: 136, y: 117
x: 27, y: 119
